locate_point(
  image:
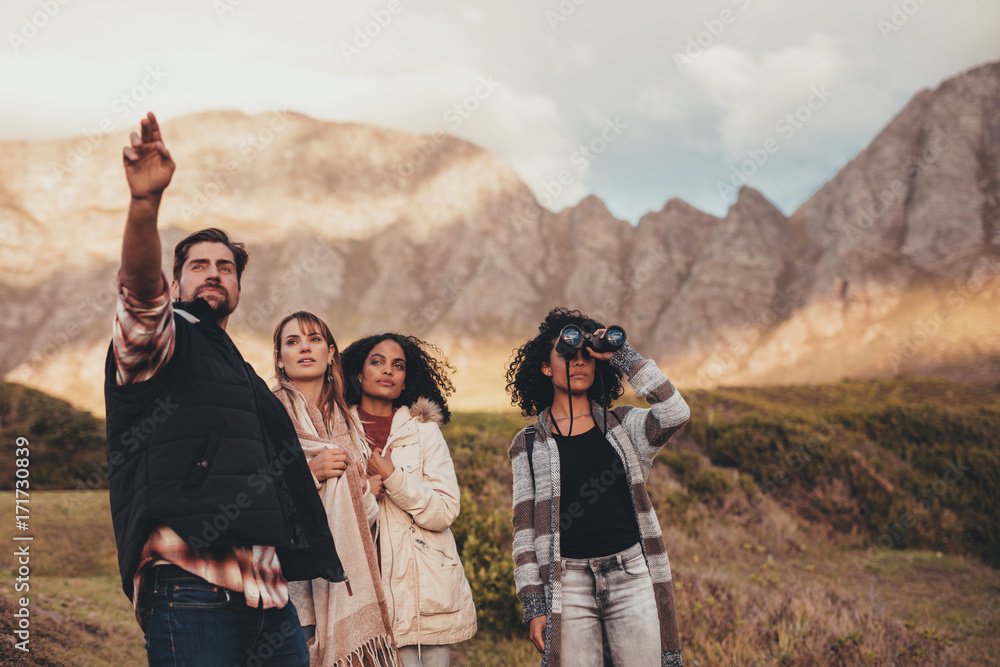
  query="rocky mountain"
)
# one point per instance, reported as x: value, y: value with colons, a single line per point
x: 891, y: 267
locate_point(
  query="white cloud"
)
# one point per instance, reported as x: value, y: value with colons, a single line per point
x: 755, y: 93
x: 556, y: 86
x: 658, y: 103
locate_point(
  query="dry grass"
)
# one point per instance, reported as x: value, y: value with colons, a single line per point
x: 773, y: 591
x: 757, y: 589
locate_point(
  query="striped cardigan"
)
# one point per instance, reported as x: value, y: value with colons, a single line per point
x: 636, y: 435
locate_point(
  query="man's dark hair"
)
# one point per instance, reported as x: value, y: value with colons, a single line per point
x: 530, y: 389
x: 210, y: 235
x: 426, y: 373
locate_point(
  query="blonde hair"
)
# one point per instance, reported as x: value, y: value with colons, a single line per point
x: 332, y: 399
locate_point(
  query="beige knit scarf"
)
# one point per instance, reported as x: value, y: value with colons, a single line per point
x: 352, y: 619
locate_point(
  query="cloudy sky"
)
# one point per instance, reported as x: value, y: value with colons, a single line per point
x: 636, y: 102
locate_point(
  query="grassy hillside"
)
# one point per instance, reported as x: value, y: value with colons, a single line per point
x: 845, y: 524
x: 781, y: 562
x: 66, y: 444
x: 904, y: 463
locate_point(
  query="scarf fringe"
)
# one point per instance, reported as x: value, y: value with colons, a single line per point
x: 380, y: 651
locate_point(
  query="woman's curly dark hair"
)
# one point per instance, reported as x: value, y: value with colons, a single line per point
x: 530, y: 389
x: 427, y: 370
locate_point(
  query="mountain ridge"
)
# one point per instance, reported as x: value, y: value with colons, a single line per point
x: 377, y: 229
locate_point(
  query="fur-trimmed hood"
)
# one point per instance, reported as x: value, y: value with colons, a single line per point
x: 426, y: 410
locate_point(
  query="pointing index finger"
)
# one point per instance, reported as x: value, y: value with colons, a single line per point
x: 154, y: 128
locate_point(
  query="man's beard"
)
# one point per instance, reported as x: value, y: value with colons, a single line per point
x: 221, y: 302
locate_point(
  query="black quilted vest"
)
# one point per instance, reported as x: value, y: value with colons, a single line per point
x: 205, y: 448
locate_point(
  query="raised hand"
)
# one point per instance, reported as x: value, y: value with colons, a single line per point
x: 148, y: 165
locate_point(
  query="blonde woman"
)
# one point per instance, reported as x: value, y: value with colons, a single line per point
x: 346, y: 623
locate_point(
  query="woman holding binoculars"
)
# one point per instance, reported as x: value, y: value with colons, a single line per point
x: 591, y: 569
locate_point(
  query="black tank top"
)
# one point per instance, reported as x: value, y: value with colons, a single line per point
x: 596, y: 516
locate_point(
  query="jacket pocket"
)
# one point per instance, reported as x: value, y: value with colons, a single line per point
x: 203, y: 461
x: 406, y: 455
x: 442, y: 578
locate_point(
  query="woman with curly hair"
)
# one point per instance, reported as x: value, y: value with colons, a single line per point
x: 345, y: 623
x: 589, y: 557
x: 398, y: 390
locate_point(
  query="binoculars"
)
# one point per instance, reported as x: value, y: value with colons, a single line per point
x: 573, y: 338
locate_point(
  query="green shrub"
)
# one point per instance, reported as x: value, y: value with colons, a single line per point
x: 682, y: 462
x: 910, y: 461
x: 711, y: 486
x: 486, y: 555
x: 67, y: 445
x: 483, y: 530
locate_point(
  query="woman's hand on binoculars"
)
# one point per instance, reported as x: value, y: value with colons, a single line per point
x: 603, y: 356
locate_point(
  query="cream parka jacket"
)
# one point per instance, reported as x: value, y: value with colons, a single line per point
x: 421, y: 570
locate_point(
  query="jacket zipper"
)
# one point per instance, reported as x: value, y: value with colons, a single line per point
x: 419, y: 633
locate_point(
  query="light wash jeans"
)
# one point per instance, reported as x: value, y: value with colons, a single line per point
x: 431, y: 656
x: 610, y: 596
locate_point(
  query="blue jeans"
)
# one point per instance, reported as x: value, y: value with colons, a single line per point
x: 188, y: 621
x: 611, y: 596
